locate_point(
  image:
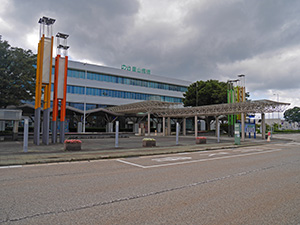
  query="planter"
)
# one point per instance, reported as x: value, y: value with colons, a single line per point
x: 201, y: 140
x: 150, y: 143
x: 72, y: 145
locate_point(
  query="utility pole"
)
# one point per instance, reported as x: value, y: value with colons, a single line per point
x: 196, y: 93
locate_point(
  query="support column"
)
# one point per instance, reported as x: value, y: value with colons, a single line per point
x: 184, y: 127
x: 2, y: 125
x: 196, y: 126
x: 38, y: 94
x: 46, y: 123
x: 243, y: 126
x: 117, y: 135
x: 25, y: 137
x: 158, y: 128
x: 55, y: 102
x: 217, y: 129
x: 164, y: 126
x: 15, y: 130
x: 149, y: 124
x: 62, y: 132
x: 54, y: 131
x: 263, y: 126
x: 216, y: 125
x: 110, y: 128
x: 136, y: 128
x: 177, y: 133
x: 37, y: 126
x: 169, y: 126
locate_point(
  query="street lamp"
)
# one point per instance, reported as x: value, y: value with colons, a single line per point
x: 196, y: 93
x: 84, y: 103
x: 277, y: 101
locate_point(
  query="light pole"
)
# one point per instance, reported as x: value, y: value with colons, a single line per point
x: 84, y: 103
x: 277, y: 101
x: 242, y: 81
x: 196, y: 93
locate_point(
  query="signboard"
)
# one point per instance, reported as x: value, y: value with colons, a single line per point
x: 249, y: 128
x: 61, y: 78
x: 46, y: 61
x: 10, y: 114
x: 135, y: 69
x: 237, y: 137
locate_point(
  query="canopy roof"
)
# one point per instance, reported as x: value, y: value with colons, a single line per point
x: 144, y: 107
x: 164, y: 109
x: 100, y: 111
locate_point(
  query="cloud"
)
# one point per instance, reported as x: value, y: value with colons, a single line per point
x: 191, y: 40
x: 277, y: 69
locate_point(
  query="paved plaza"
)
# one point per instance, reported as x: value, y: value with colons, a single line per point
x: 11, y: 153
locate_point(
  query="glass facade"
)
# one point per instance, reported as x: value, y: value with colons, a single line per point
x: 122, y: 80
x: 80, y: 74
x: 88, y: 106
x: 71, y: 89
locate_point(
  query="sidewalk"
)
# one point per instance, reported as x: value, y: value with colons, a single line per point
x: 11, y: 153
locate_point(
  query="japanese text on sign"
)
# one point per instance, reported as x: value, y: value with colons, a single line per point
x: 135, y: 69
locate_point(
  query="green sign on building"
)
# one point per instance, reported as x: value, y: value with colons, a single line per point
x: 135, y: 69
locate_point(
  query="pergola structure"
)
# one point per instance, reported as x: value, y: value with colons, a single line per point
x: 174, y: 110
x: 144, y: 107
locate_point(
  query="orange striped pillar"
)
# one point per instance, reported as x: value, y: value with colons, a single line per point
x: 63, y: 103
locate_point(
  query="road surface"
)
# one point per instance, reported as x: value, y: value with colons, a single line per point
x: 252, y: 185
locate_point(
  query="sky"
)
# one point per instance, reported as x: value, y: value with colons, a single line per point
x: 190, y: 40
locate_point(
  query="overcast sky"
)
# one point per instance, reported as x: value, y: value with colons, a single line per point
x: 190, y: 39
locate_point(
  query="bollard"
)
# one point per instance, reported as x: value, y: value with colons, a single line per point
x: 117, y: 135
x: 177, y: 133
x: 25, y: 138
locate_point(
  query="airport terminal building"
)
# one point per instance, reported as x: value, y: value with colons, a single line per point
x: 101, y: 87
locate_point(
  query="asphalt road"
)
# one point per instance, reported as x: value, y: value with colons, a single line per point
x: 253, y: 185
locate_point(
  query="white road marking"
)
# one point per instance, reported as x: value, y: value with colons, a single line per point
x: 198, y: 160
x: 8, y: 167
x: 54, y: 164
x: 171, y: 159
x: 293, y: 143
x: 220, y: 153
x: 133, y: 164
x: 251, y: 150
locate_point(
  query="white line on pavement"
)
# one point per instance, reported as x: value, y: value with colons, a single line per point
x: 199, y: 160
x: 171, y: 159
x: 220, y: 153
x: 133, y: 164
x: 9, y: 167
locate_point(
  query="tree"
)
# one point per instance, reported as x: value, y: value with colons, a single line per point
x: 292, y: 115
x: 206, y: 93
x: 17, y: 74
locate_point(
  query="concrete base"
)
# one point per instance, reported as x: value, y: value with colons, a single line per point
x: 46, y: 126
x: 54, y: 132
x: 62, y: 132
x: 37, y: 126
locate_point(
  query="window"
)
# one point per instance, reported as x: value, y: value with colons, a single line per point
x: 71, y: 89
